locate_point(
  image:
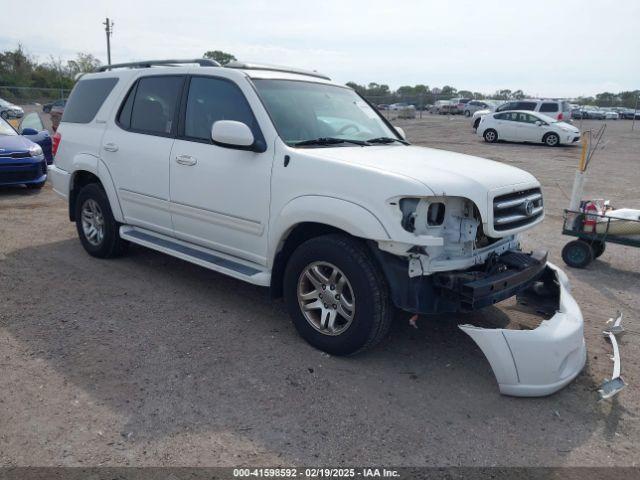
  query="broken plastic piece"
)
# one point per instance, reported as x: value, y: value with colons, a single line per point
x: 611, y: 387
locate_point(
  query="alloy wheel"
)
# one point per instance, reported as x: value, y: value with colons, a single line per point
x: 326, y: 298
x: 92, y: 222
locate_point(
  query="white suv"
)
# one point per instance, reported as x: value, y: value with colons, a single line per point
x: 282, y: 178
x: 559, y: 110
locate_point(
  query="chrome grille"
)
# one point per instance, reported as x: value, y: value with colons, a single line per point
x: 517, y: 209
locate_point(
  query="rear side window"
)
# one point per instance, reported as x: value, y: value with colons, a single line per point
x: 549, y: 107
x: 213, y: 99
x: 525, y: 106
x: 153, y: 107
x: 86, y: 99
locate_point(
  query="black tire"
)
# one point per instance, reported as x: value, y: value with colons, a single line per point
x: 490, y: 135
x: 598, y: 248
x: 35, y: 186
x: 551, y: 139
x: 467, y: 113
x: 372, y: 308
x: 111, y: 244
x: 577, y: 254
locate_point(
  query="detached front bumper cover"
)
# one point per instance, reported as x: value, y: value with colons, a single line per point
x: 533, y: 363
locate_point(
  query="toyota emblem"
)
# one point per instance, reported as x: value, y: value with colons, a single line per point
x: 528, y: 208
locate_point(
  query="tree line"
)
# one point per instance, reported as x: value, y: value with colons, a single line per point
x: 19, y: 69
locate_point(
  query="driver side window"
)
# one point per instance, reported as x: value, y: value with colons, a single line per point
x: 211, y: 99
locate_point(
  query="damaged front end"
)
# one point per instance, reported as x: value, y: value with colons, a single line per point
x: 453, y: 266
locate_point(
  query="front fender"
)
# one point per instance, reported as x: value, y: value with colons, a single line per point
x: 342, y: 214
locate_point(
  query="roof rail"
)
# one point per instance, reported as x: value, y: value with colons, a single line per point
x: 203, y: 62
x: 274, y: 68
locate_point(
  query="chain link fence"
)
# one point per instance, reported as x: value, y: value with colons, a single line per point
x: 32, y: 95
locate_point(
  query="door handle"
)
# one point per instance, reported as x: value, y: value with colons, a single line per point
x: 110, y: 147
x: 186, y: 160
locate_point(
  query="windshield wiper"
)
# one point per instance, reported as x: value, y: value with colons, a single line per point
x: 327, y: 141
x: 386, y: 140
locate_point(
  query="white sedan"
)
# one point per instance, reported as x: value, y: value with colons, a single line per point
x: 525, y: 126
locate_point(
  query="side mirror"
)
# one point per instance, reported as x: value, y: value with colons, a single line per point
x: 29, y: 131
x: 232, y: 134
x: 538, y: 123
x: 401, y: 132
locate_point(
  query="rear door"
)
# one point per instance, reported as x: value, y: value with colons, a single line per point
x: 137, y: 148
x: 505, y: 125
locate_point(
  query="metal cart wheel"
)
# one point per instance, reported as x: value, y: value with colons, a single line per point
x: 577, y: 254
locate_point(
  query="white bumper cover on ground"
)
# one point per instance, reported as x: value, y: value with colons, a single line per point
x: 532, y: 363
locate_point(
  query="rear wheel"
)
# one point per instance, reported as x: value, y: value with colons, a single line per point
x: 336, y: 295
x: 551, y: 140
x: 467, y: 113
x: 490, y: 135
x: 97, y: 229
x: 577, y: 254
x: 598, y: 248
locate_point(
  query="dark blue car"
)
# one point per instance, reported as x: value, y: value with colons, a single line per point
x: 22, y: 162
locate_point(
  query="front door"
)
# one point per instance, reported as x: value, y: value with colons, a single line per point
x: 219, y: 196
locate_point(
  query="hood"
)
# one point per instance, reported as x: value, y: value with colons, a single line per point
x: 567, y: 126
x: 14, y: 143
x: 443, y: 172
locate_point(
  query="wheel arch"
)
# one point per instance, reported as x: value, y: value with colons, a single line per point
x: 330, y: 215
x: 90, y: 169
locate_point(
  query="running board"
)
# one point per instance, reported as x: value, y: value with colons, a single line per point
x: 211, y: 259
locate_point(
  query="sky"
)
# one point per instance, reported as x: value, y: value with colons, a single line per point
x: 561, y: 48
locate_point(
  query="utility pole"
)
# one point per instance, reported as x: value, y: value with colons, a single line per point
x: 108, y: 28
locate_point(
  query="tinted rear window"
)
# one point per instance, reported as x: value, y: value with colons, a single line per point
x: 549, y: 107
x: 525, y: 106
x: 86, y: 99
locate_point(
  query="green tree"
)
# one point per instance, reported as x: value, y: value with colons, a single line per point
x: 83, y: 63
x: 219, y: 56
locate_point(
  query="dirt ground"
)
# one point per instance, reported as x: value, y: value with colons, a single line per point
x: 148, y: 360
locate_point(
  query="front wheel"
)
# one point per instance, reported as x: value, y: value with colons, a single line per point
x: 97, y: 229
x: 490, y: 135
x: 551, y: 140
x: 577, y: 254
x: 336, y: 295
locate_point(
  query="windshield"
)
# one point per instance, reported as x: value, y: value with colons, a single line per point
x: 304, y: 111
x: 5, y: 128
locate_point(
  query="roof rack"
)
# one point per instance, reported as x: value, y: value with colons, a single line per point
x: 274, y: 68
x: 203, y: 62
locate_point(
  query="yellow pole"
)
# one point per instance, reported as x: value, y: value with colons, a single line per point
x: 583, y: 156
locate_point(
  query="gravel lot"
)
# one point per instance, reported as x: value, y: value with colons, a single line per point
x: 148, y: 360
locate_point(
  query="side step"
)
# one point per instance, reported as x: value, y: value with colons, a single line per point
x: 211, y: 259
